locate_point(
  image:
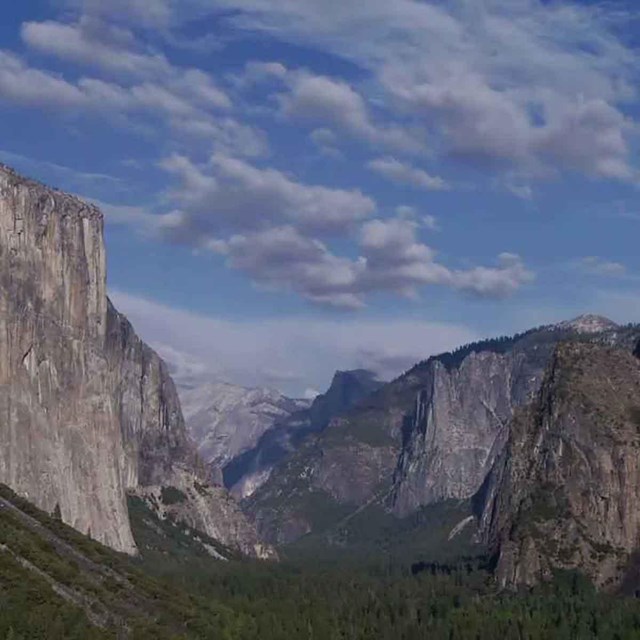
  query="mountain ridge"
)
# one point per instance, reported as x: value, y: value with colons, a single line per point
x: 401, y: 437
x: 89, y: 411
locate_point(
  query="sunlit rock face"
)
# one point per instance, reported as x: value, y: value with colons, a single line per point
x: 227, y: 420
x: 61, y: 440
x: 433, y: 434
x: 87, y: 410
x: 460, y: 426
x: 565, y: 492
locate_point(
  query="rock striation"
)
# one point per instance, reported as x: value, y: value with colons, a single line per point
x: 247, y: 472
x: 87, y: 410
x: 227, y: 420
x: 429, y: 436
x: 460, y: 425
x: 565, y: 492
x: 61, y: 442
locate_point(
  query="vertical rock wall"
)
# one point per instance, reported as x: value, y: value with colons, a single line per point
x: 60, y: 436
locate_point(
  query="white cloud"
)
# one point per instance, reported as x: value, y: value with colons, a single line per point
x: 392, y: 260
x: 600, y: 267
x: 282, y: 258
x: 96, y: 43
x: 428, y: 221
x: 32, y: 87
x: 326, y: 141
x: 254, y: 352
x: 331, y: 102
x: 405, y: 174
x: 93, y: 43
x: 230, y: 194
x: 395, y: 260
x: 522, y: 86
x: 187, y: 102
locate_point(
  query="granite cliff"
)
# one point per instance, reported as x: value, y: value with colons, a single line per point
x: 565, y: 492
x: 247, y: 472
x: 429, y: 436
x: 227, y: 420
x: 87, y: 410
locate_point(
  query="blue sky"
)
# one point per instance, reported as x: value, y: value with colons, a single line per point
x: 295, y: 186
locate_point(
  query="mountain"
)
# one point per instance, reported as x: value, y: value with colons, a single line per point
x: 57, y: 584
x: 227, y: 420
x: 250, y: 470
x: 588, y: 323
x: 429, y: 436
x: 565, y: 492
x: 88, y: 412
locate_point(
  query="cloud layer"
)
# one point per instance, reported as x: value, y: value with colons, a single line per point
x: 522, y: 92
x: 292, y: 354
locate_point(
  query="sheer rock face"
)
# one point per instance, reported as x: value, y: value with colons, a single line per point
x: 460, y: 426
x: 60, y: 438
x: 153, y: 429
x: 432, y: 434
x: 87, y: 410
x: 248, y: 472
x: 227, y: 420
x: 565, y: 493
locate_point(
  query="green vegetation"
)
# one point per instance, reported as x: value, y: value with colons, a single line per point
x: 171, y: 495
x: 374, y: 535
x: 178, y: 592
x: 165, y: 543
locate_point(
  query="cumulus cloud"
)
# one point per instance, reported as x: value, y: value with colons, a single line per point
x: 597, y: 266
x: 395, y: 260
x: 309, y: 350
x: 93, y: 43
x: 326, y: 141
x: 405, y: 174
x: 96, y: 43
x: 524, y: 85
x: 230, y: 194
x: 186, y: 101
x: 23, y: 85
x: 427, y: 221
x: 282, y: 258
x: 391, y: 260
x: 331, y: 102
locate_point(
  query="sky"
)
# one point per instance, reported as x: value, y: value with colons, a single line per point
x: 292, y: 187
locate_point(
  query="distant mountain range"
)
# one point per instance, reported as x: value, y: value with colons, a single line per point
x: 243, y: 433
x: 524, y: 447
x: 438, y: 433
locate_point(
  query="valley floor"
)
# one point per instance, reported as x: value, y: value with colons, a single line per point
x: 56, y: 583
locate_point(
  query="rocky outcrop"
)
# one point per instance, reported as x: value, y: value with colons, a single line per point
x: 338, y: 470
x: 227, y: 420
x: 460, y: 425
x: 205, y: 508
x: 60, y: 437
x: 153, y: 429
x: 247, y: 472
x: 87, y: 410
x: 431, y: 435
x: 565, y: 492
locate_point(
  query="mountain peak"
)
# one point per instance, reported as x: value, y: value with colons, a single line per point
x: 588, y: 323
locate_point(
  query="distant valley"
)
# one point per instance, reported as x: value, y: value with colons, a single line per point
x: 516, y: 456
